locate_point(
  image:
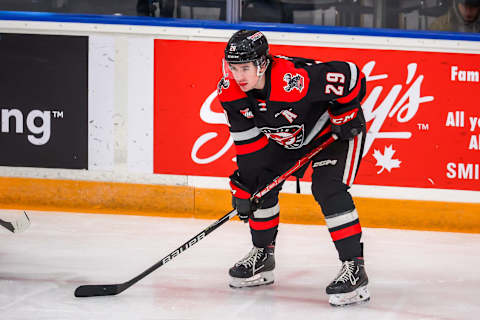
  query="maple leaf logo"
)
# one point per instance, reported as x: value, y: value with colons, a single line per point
x: 385, y: 160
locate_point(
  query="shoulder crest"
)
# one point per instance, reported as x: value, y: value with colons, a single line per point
x: 288, y: 84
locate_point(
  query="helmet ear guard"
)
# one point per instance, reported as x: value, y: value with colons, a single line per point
x: 260, y: 64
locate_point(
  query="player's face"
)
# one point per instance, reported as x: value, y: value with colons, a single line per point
x: 245, y: 74
x: 469, y: 13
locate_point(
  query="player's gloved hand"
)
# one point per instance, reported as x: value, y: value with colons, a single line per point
x: 347, y: 124
x: 241, y: 197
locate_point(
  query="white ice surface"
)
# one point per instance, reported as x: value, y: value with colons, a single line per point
x: 413, y: 274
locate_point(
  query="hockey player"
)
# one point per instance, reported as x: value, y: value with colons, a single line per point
x: 278, y: 109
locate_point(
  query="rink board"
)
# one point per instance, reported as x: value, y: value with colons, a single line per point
x: 191, y: 202
x: 144, y: 132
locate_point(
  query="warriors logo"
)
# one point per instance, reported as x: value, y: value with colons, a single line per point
x: 223, y: 84
x: 290, y: 137
x: 293, y: 82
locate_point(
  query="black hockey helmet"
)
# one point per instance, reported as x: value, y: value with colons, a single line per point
x: 247, y: 46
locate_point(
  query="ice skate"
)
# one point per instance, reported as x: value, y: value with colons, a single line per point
x: 255, y: 269
x: 350, y: 285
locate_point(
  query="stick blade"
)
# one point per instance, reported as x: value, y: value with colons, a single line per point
x: 98, y: 290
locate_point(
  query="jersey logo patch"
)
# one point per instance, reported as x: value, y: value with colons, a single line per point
x: 223, y: 84
x: 288, y: 114
x: 247, y: 113
x: 293, y: 82
x: 290, y: 137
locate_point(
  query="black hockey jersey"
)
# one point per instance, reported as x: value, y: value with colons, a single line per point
x: 293, y: 108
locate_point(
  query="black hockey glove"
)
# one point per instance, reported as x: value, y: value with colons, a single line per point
x: 346, y: 125
x: 241, y: 197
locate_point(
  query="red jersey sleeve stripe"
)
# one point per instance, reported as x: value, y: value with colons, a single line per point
x: 264, y: 225
x: 354, y: 93
x: 346, y: 232
x: 251, y: 147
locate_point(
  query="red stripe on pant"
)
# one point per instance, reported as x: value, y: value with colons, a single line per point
x: 264, y: 225
x: 354, y: 158
x: 346, y: 232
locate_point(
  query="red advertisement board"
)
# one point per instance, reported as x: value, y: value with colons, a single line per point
x: 422, y: 114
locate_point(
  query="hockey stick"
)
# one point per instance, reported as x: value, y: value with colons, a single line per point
x: 114, y: 289
x: 18, y: 225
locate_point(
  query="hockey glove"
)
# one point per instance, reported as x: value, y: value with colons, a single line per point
x: 241, y: 197
x: 348, y: 124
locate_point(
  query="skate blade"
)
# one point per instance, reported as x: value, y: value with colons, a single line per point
x: 360, y: 295
x: 261, y: 279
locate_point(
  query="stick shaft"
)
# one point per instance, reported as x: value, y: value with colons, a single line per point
x: 104, y: 290
x: 300, y: 163
x: 194, y: 240
x: 231, y: 214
